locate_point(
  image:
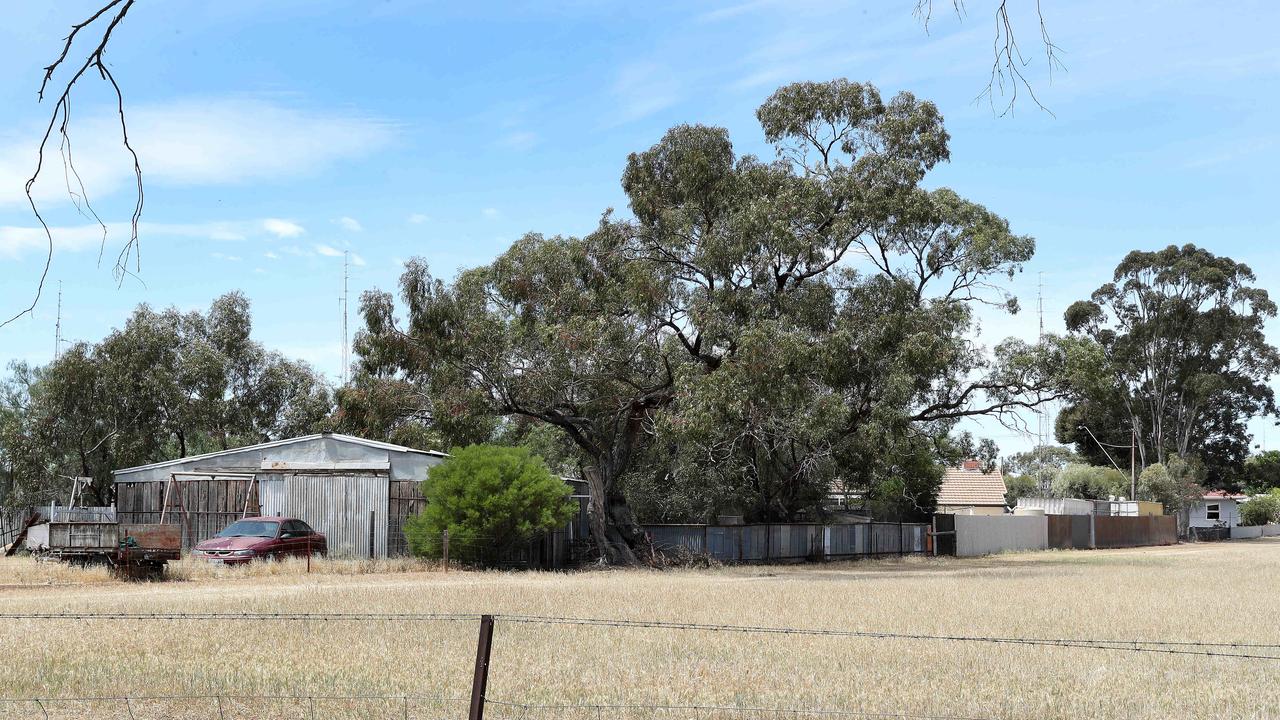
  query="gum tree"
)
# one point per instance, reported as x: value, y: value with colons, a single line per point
x: 760, y: 322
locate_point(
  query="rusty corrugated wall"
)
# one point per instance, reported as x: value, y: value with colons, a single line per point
x: 1117, y: 532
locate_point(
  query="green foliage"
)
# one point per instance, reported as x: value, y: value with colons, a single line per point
x: 722, y: 349
x: 1030, y: 473
x: 1261, y: 510
x: 1262, y: 471
x: 1089, y: 482
x: 491, y: 499
x: 1186, y: 360
x: 1019, y: 486
x: 1176, y: 483
x: 165, y: 385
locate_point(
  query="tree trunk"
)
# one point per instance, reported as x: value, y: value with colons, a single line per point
x: 613, y: 526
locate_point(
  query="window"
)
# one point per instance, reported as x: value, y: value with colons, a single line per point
x: 1211, y: 511
x: 250, y: 528
x: 297, y: 528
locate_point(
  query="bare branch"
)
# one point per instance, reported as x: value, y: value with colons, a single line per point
x: 1008, y: 61
x: 59, y: 118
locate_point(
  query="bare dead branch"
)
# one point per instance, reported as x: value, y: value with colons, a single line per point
x: 1008, y: 61
x: 60, y: 118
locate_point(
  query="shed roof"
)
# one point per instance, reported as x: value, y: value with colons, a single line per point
x: 964, y: 487
x: 283, y: 443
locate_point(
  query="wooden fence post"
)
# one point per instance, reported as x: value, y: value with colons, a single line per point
x: 481, y: 677
x: 446, y: 550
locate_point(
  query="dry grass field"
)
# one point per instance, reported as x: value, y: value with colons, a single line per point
x: 1221, y: 592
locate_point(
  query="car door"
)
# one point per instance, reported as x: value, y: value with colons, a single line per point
x: 293, y: 538
x: 308, y: 539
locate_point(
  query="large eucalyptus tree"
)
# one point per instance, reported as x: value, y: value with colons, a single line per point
x: 759, y: 321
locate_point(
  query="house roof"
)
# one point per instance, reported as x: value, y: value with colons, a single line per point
x: 281, y: 443
x: 1223, y: 495
x: 965, y: 487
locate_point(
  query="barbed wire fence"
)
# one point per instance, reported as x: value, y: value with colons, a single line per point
x: 422, y: 707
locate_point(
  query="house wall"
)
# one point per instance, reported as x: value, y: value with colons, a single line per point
x: 979, y: 535
x: 1228, y: 514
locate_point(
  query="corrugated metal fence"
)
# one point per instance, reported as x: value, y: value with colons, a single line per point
x: 792, y: 541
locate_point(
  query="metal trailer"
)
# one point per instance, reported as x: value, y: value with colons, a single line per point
x: 92, y: 536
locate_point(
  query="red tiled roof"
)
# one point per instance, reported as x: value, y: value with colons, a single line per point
x: 1222, y: 495
x: 971, y: 488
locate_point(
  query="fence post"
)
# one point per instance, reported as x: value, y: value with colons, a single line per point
x: 446, y: 550
x: 371, y: 521
x: 481, y: 677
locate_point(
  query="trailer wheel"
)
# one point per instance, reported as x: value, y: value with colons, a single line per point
x: 139, y: 570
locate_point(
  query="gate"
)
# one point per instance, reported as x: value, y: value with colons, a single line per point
x: 944, y: 534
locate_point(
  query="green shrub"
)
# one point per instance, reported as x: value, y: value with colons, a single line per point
x: 1090, y: 482
x: 490, y: 499
x: 1260, y: 510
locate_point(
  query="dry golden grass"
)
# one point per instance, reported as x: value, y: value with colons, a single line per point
x: 1214, y: 592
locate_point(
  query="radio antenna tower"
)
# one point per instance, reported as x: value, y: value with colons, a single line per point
x: 345, y: 347
x: 57, y: 327
x: 1040, y: 419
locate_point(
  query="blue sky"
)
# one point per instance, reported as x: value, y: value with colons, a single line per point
x: 276, y: 135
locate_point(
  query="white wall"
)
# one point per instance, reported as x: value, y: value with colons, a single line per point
x: 986, y: 535
x: 1058, y: 506
x: 1228, y: 514
x: 1244, y: 533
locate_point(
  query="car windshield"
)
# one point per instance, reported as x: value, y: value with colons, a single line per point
x: 250, y: 528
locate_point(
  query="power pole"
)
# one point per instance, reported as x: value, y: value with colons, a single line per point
x: 1133, y: 463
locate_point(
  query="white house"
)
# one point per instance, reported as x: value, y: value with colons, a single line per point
x: 1217, y: 508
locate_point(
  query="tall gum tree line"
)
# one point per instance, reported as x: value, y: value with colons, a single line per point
x: 761, y: 324
x: 1187, y: 363
x: 167, y: 384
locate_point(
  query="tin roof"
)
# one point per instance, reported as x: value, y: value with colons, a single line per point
x: 965, y: 487
x: 282, y: 443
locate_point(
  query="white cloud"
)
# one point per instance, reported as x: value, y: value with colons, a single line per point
x: 350, y: 224
x: 490, y: 212
x: 644, y: 88
x: 418, y: 218
x: 271, y: 256
x: 357, y: 260
x: 283, y: 228
x: 519, y: 140
x: 328, y: 251
x: 222, y: 256
x: 16, y: 241
x: 195, y: 142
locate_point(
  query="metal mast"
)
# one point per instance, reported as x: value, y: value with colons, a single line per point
x: 346, y: 254
x: 57, y: 327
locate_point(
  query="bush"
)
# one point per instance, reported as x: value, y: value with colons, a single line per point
x: 1260, y: 510
x: 491, y: 499
x: 1176, y: 484
x: 1090, y: 482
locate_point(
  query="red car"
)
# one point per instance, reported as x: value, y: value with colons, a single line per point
x: 262, y: 537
